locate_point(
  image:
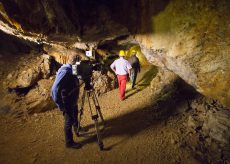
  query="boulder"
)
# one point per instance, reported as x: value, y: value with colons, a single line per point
x: 103, y: 82
x: 39, y: 99
x: 28, y: 78
x: 164, y: 82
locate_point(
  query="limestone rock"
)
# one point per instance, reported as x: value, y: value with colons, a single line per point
x: 189, y: 38
x: 191, y: 122
x: 28, y: 78
x: 60, y: 52
x: 39, y: 99
x: 102, y: 82
x: 46, y: 66
x: 185, y: 42
x: 80, y: 45
x: 163, y: 82
x: 217, y: 126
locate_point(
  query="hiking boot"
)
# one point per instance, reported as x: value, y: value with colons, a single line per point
x: 73, y: 145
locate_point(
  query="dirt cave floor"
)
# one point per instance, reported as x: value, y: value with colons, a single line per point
x: 131, y: 135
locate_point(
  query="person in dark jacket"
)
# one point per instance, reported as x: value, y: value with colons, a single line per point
x: 135, y: 63
x: 65, y: 93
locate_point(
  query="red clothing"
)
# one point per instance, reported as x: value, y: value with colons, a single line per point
x: 122, y: 85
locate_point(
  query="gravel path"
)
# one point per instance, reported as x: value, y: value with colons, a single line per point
x: 132, y: 135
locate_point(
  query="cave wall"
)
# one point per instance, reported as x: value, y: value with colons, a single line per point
x: 192, y: 39
x: 44, y: 16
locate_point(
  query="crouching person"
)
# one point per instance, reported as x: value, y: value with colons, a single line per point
x: 65, y: 93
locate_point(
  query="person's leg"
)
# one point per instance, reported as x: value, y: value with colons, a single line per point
x: 75, y: 118
x: 68, y: 116
x: 70, y: 120
x: 75, y: 122
x: 134, y: 77
x: 123, y: 86
x: 119, y: 82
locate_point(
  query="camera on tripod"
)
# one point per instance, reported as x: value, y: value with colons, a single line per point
x: 83, y: 69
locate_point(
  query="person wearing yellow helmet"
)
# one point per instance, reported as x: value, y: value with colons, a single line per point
x: 122, y: 69
x: 135, y: 63
x: 122, y: 53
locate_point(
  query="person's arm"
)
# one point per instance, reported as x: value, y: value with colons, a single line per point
x: 113, y: 67
x: 62, y: 93
x: 56, y: 90
x: 129, y: 71
x: 129, y: 67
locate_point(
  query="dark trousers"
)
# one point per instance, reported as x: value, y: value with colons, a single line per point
x: 70, y: 116
x: 133, y: 76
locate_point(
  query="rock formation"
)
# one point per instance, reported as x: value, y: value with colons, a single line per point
x: 188, y: 40
x: 192, y: 40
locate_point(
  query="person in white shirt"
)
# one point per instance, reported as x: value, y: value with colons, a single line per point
x: 122, y: 69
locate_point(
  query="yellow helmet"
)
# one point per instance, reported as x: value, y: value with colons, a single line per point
x: 133, y: 52
x: 122, y: 53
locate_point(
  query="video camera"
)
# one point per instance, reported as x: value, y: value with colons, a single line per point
x: 83, y: 69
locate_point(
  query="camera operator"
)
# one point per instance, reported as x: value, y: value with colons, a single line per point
x: 65, y: 93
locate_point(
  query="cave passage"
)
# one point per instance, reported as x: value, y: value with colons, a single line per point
x: 178, y: 111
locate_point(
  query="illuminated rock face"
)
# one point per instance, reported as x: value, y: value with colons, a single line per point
x: 190, y: 38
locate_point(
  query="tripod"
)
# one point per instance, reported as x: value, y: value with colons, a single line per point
x: 95, y: 114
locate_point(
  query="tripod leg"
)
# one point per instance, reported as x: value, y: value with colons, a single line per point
x: 90, y: 108
x: 99, y: 140
x: 98, y: 108
x: 95, y: 119
x: 81, y: 113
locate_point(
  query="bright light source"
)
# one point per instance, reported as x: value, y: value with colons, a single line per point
x: 89, y: 53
